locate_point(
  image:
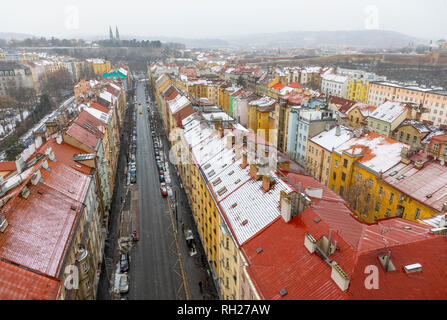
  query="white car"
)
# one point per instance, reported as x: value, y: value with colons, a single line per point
x: 124, y: 283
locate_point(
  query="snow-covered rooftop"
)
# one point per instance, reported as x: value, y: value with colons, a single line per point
x: 330, y: 139
x: 389, y: 111
x: 379, y: 153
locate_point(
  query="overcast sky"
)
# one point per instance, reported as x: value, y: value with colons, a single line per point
x: 213, y: 19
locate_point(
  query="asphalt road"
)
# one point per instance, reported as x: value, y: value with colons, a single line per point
x: 153, y: 259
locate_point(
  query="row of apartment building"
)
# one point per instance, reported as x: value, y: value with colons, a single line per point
x: 55, y: 201
x: 270, y: 232
x: 300, y: 115
x: 27, y: 69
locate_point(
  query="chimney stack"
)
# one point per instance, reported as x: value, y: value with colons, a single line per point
x: 254, y: 171
x: 231, y: 141
x: 244, y: 160
x: 266, y: 183
x: 338, y: 131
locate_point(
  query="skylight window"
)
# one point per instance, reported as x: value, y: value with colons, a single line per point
x: 222, y: 191
x: 217, y: 181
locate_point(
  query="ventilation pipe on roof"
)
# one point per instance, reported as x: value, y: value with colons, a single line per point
x: 340, y: 277
x: 36, y: 177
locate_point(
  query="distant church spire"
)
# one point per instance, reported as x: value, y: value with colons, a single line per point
x: 117, y: 34
x: 111, y: 33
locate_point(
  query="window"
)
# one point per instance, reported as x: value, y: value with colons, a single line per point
x: 336, y: 163
x: 391, y: 197
x: 335, y: 176
x: 387, y: 214
x: 343, y: 176
x: 377, y: 206
x: 345, y: 163
x: 418, y: 212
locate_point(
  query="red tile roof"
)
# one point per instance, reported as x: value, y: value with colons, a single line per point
x: 40, y: 227
x: 17, y: 283
x: 344, y: 104
x: 64, y: 153
x: 100, y: 107
x: 284, y: 262
x: 427, y: 185
x: 8, y: 166
x: 278, y: 87
x: 294, y: 85
x: 183, y: 113
x: 87, y: 129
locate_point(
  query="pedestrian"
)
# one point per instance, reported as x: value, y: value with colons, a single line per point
x: 183, y: 227
x: 200, y: 287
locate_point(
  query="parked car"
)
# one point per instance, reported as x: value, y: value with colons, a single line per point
x: 133, y: 179
x: 124, y: 262
x: 163, y: 189
x: 124, y: 283
x: 162, y: 178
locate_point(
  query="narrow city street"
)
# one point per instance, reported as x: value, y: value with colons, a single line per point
x: 160, y: 265
x: 152, y: 274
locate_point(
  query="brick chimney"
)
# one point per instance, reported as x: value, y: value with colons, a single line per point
x: 254, y: 172
x: 284, y: 165
x: 244, y: 160
x: 266, y: 182
x: 231, y: 141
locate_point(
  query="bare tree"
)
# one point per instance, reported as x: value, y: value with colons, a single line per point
x: 361, y: 197
x: 55, y: 83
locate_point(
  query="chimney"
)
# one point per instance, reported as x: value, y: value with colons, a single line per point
x: 284, y: 165
x: 266, y: 182
x: 59, y: 138
x: 338, y: 131
x: 292, y: 204
x: 231, y: 141
x: 20, y: 164
x: 254, y: 171
x: 244, y: 160
x: 340, y: 277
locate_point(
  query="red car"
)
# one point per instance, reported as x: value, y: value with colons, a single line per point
x: 163, y: 190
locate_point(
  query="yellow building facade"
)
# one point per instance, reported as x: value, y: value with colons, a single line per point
x: 101, y: 67
x: 369, y: 196
x: 358, y: 90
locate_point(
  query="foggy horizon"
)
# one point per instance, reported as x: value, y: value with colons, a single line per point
x: 204, y: 20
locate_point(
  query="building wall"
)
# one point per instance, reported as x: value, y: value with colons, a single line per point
x: 318, y: 162
x: 358, y: 90
x: 409, y: 135
x: 356, y: 119
x: 437, y: 106
x: 368, y: 196
x: 100, y: 68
